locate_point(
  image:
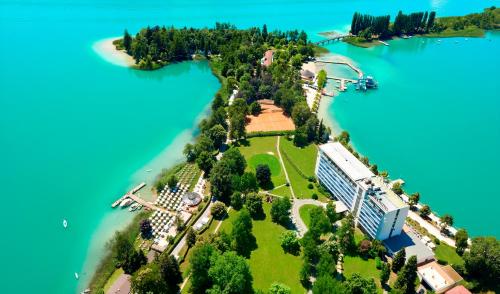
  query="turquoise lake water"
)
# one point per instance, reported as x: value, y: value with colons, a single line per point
x: 76, y: 131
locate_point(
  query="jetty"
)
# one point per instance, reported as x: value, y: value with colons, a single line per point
x: 131, y: 194
x: 332, y: 39
x: 382, y: 42
x: 357, y: 70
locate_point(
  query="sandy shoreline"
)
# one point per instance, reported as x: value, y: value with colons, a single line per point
x: 107, y: 50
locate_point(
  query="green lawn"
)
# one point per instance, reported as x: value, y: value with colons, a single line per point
x: 447, y: 253
x: 358, y: 235
x: 365, y: 267
x: 268, y: 262
x: 304, y: 159
x: 304, y: 212
x: 271, y: 160
x: 260, y: 150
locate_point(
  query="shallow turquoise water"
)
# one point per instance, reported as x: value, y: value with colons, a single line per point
x: 76, y: 132
x: 434, y: 121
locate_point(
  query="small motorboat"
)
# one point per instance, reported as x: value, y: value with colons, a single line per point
x: 76, y: 275
x: 126, y: 202
x: 65, y: 223
x: 149, y: 170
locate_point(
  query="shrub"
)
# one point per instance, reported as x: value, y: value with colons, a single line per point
x: 378, y: 262
x: 290, y: 243
x: 310, y: 186
x: 314, y: 196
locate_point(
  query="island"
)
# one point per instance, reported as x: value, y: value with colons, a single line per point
x: 367, y: 30
x: 269, y: 200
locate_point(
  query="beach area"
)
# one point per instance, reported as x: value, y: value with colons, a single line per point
x: 107, y: 50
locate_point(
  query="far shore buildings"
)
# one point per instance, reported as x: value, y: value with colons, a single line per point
x: 377, y: 210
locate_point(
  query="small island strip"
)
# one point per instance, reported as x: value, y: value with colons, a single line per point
x: 367, y: 30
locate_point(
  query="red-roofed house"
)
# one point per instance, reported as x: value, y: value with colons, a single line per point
x: 458, y: 290
x: 267, y: 60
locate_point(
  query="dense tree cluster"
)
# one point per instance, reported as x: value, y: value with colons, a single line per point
x: 374, y: 25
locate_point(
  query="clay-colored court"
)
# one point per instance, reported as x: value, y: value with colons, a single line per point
x: 271, y: 118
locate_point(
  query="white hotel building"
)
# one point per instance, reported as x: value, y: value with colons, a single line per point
x: 376, y: 208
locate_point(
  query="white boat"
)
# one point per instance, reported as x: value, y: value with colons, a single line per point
x: 126, y: 202
x: 133, y: 207
x: 149, y: 170
x: 65, y: 223
x: 76, y: 275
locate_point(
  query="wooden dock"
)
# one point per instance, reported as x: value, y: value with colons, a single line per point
x: 331, y: 39
x: 127, y: 195
x: 357, y: 70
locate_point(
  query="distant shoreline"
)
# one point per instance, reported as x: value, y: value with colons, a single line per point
x: 107, y: 50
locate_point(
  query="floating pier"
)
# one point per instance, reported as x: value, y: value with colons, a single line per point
x: 129, y: 194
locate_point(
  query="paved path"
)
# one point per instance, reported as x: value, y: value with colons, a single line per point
x: 430, y: 228
x: 284, y: 168
x: 121, y: 285
x: 297, y: 204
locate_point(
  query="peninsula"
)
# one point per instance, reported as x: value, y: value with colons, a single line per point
x: 367, y: 30
x: 269, y: 200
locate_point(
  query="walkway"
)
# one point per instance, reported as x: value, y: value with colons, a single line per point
x: 121, y: 285
x: 284, y: 168
x: 430, y: 228
x: 146, y: 203
x: 297, y: 220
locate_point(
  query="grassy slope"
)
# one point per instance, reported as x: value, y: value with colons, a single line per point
x: 305, y: 215
x: 447, y: 253
x: 471, y: 31
x: 365, y: 267
x: 305, y: 160
x: 268, y: 262
x: 262, y: 146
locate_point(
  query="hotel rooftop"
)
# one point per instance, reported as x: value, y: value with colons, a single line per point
x: 358, y: 172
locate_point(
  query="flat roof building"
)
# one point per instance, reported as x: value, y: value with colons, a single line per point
x: 377, y: 210
x: 438, y: 278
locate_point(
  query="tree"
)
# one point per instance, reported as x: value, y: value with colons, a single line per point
x: 253, y: 204
x: 278, y: 288
x: 221, y: 180
x: 396, y: 188
x: 230, y: 274
x: 446, y: 221
x: 319, y: 222
x: 127, y: 41
x: 172, y: 182
x: 218, y: 102
x: 346, y: 234
x: 407, y: 276
x: 399, y: 260
x: 248, y: 183
x: 237, y: 130
x: 327, y: 285
x: 236, y: 201
x: 263, y: 175
x: 374, y: 169
x: 243, y: 239
x: 385, y: 273
x: 218, y: 210
x: 179, y: 223
x: 236, y: 161
x: 300, y: 138
x: 200, y: 264
x: 414, y: 199
x: 344, y: 138
x: 147, y: 280
x: 300, y: 114
x: 170, y: 273
x: 425, y: 211
x: 356, y: 284
x: 280, y: 211
x: 255, y: 108
x: 190, y: 237
x: 365, y: 247
x: 331, y: 212
x: 218, y: 135
x: 326, y: 265
x: 146, y: 229
x: 461, y: 239
x: 121, y: 246
x: 204, y: 143
x: 135, y: 259
x: 205, y: 162
x: 189, y: 152
x: 290, y: 243
x: 482, y: 262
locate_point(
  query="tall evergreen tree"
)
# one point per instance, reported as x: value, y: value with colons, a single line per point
x: 407, y: 276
